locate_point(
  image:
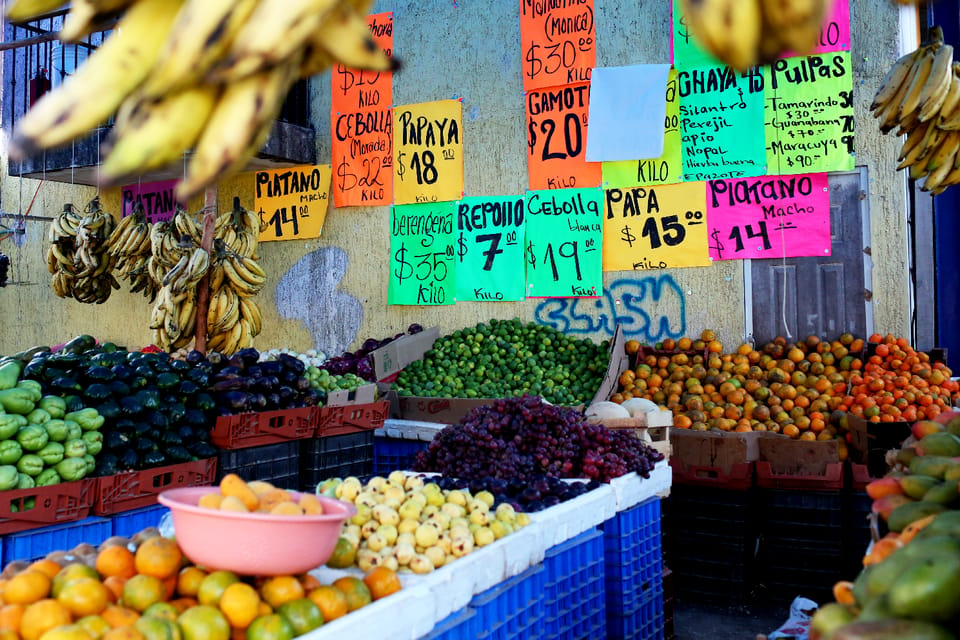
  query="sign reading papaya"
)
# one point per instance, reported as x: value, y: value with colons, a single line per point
x: 557, y: 139
x: 558, y: 42
x: 293, y: 202
x: 489, y: 248
x: 428, y: 152
x: 362, y: 127
x: 422, y: 258
x: 156, y: 197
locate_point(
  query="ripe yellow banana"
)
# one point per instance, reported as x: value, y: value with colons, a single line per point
x: 344, y: 35
x: 943, y: 155
x: 938, y: 85
x: 250, y: 312
x: 936, y: 177
x: 911, y: 101
x: 23, y: 10
x: 729, y: 29
x: 898, y: 75
x: 201, y: 36
x: 82, y: 18
x: 913, y: 145
x: 793, y: 24
x: 239, y: 125
x: 91, y: 94
x: 158, y: 133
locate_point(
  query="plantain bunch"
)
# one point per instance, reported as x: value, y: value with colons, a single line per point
x: 78, y: 258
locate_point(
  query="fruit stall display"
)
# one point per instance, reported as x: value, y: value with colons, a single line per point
x: 799, y: 389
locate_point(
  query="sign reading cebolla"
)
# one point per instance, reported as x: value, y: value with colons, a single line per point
x: 293, y: 201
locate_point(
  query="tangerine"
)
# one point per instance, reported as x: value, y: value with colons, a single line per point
x: 141, y: 591
x: 119, y: 616
x: 358, y: 595
x: 204, y: 622
x: 41, y: 616
x: 279, y: 589
x: 67, y: 632
x: 213, y: 586
x: 84, y: 597
x: 270, y: 627
x: 302, y: 614
x: 10, y: 616
x: 123, y: 633
x: 95, y: 625
x: 116, y: 561
x: 381, y: 582
x: 154, y: 628
x: 240, y: 603
x: 188, y: 581
x: 158, y: 557
x: 331, y: 601
x: 27, y: 587
x: 49, y: 567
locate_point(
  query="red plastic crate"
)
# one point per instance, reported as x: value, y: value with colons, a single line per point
x: 54, y: 504
x: 860, y: 476
x: 831, y: 480
x: 264, y: 427
x: 352, y: 418
x: 740, y: 475
x: 136, y: 489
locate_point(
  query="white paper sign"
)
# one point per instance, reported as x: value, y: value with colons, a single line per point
x: 627, y: 111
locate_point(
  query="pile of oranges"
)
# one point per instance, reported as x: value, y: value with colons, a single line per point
x: 151, y: 592
x: 799, y: 389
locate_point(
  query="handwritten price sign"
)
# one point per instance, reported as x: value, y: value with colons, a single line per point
x: 156, y: 197
x: 668, y: 168
x: 293, y: 202
x: 558, y: 42
x: 428, y: 152
x: 769, y: 217
x: 489, y: 248
x: 563, y: 243
x: 422, y: 258
x: 361, y: 125
x: 656, y: 227
x: 808, y: 114
x: 557, y: 139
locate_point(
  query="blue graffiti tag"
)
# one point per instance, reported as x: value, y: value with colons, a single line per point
x: 635, y: 313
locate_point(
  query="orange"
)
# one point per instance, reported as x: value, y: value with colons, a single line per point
x: 141, y: 591
x: 115, y: 584
x: 331, y: 601
x: 240, y: 603
x: 214, y: 585
x: 308, y: 581
x: 27, y: 587
x: 204, y: 622
x: 358, y: 595
x: 41, y: 616
x: 67, y: 632
x: 381, y: 582
x: 84, y: 597
x: 10, y: 616
x: 182, y: 604
x: 49, y: 567
x: 95, y: 625
x: 71, y: 572
x: 158, y: 557
x: 189, y: 579
x: 157, y: 628
x: 163, y: 610
x: 116, y: 561
x: 123, y: 633
x: 119, y: 616
x: 280, y: 589
x: 302, y: 614
x: 271, y: 627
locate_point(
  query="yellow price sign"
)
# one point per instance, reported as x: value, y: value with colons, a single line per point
x: 293, y: 201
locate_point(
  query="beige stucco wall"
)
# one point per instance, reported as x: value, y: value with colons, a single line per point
x: 470, y: 49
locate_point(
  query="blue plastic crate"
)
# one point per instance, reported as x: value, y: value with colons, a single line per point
x: 459, y: 625
x: 646, y: 622
x: 36, y: 543
x: 512, y: 610
x: 128, y: 523
x: 574, y: 597
x: 633, y: 557
x: 392, y: 454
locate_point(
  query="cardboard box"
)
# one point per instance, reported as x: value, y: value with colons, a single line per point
x: 870, y: 441
x: 452, y: 410
x: 653, y: 427
x: 787, y: 463
x: 724, y: 460
x: 391, y: 359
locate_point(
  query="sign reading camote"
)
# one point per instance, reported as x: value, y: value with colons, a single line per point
x: 721, y: 114
x: 557, y: 139
x: 666, y: 169
x: 655, y: 227
x: 362, y: 127
x: 558, y: 42
x: 809, y: 114
x: 769, y: 217
x: 156, y: 197
x: 293, y: 202
x: 564, y: 241
x: 422, y: 257
x: 428, y: 152
x: 489, y: 248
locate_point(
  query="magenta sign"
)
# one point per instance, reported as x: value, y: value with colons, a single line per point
x: 157, y: 199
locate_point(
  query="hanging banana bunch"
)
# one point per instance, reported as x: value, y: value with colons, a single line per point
x: 233, y: 318
x: 174, y: 316
x: 60, y: 255
x: 210, y: 75
x: 130, y: 245
x: 79, y: 257
x: 241, y: 232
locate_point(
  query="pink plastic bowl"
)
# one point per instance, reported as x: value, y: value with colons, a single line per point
x: 254, y: 543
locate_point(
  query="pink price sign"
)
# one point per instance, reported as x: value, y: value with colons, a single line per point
x: 768, y: 217
x: 157, y: 199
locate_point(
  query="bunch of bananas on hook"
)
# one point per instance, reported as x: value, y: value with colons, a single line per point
x: 745, y: 33
x: 130, y: 244
x: 233, y: 318
x: 174, y: 316
x: 206, y: 75
x: 79, y: 257
x: 920, y: 98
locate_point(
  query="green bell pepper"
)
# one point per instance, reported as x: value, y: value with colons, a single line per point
x: 94, y: 440
x: 54, y: 405
x: 9, y: 374
x: 10, y: 423
x: 75, y: 448
x: 17, y: 401
x: 88, y: 419
x: 38, y: 417
x: 73, y: 430
x: 30, y: 464
x: 10, y: 451
x: 36, y: 391
x: 25, y: 482
x: 52, y: 453
x: 57, y: 430
x: 72, y: 469
x: 91, y: 463
x: 9, y: 476
x: 32, y: 437
x: 48, y: 477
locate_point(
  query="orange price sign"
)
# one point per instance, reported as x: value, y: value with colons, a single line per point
x: 557, y: 139
x: 558, y: 42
